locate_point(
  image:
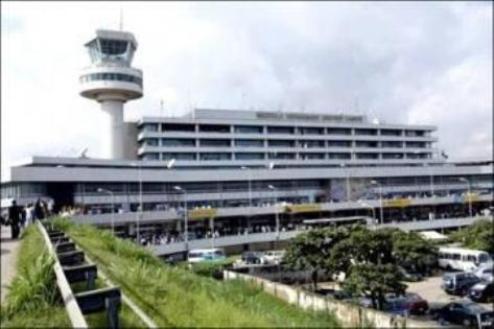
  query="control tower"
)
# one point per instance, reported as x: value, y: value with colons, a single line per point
x: 111, y: 81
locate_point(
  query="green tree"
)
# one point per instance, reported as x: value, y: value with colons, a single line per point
x: 412, y: 251
x: 367, y: 259
x: 311, y: 250
x: 362, y: 246
x: 375, y: 280
x: 479, y: 236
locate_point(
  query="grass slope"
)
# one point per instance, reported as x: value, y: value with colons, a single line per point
x: 33, y: 300
x: 176, y: 297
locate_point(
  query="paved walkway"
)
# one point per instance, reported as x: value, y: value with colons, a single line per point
x: 9, y: 249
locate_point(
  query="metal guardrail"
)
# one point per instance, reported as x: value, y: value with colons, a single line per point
x: 76, y: 300
x: 171, y: 215
x: 232, y: 240
x: 73, y: 310
x: 71, y: 267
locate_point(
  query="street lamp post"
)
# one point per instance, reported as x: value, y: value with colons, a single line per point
x: 186, y: 219
x: 365, y: 204
x: 463, y: 179
x: 277, y: 216
x: 374, y: 182
x: 431, y: 181
x: 102, y: 190
x: 250, y: 185
x: 348, y: 191
x: 139, y: 213
x: 169, y: 165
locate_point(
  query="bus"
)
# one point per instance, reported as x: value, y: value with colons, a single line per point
x: 204, y: 255
x: 467, y: 260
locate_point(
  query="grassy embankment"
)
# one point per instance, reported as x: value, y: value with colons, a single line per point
x: 34, y: 300
x: 176, y: 297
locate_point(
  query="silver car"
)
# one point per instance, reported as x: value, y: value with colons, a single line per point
x: 484, y: 273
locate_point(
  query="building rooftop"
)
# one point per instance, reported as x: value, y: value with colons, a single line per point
x: 272, y: 115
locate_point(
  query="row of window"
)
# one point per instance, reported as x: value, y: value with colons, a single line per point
x: 244, y: 129
x: 88, y: 188
x: 190, y: 142
x: 277, y: 155
x: 111, y: 77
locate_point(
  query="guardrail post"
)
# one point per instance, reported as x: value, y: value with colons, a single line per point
x: 91, y: 280
x: 112, y: 306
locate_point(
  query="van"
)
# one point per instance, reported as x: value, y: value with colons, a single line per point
x: 461, y: 259
x: 204, y: 255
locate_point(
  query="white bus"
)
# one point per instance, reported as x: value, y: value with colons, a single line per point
x: 467, y: 260
x: 203, y: 255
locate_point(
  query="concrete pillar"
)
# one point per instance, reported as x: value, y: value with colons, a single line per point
x: 114, y: 144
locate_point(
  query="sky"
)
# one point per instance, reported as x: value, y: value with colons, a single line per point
x: 400, y: 62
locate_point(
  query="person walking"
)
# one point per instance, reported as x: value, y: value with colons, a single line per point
x: 15, y: 219
x: 22, y: 223
x: 46, y: 211
x: 38, y: 210
x: 29, y: 214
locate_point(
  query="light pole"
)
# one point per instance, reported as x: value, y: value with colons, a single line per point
x: 139, y: 214
x: 431, y: 181
x: 463, y: 179
x: 432, y: 190
x: 416, y: 152
x: 102, y: 190
x: 169, y: 165
x: 186, y: 219
x: 375, y: 182
x: 250, y: 184
x: 277, y: 216
x: 365, y: 204
x: 342, y: 165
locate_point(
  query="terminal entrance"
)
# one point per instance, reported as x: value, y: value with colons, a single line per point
x: 61, y: 193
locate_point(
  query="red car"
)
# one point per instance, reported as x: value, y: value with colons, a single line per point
x: 409, y: 303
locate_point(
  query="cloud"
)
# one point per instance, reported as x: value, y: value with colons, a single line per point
x: 409, y: 62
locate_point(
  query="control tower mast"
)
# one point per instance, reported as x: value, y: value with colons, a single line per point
x: 111, y: 81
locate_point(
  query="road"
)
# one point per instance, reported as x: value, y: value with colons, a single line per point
x: 430, y: 290
x: 9, y: 249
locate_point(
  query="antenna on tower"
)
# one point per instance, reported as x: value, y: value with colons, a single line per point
x: 161, y: 107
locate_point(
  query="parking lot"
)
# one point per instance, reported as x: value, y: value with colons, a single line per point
x: 430, y: 289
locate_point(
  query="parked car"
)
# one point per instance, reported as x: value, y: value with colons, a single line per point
x: 482, y: 292
x: 273, y: 256
x: 410, y: 276
x: 365, y: 302
x: 343, y: 295
x: 458, y: 283
x: 464, y: 313
x: 409, y: 303
x: 205, y: 255
x: 485, y: 273
x: 252, y: 257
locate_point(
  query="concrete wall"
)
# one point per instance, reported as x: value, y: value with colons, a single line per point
x: 349, y: 315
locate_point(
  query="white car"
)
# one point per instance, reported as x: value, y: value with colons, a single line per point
x: 485, y: 273
x: 273, y: 257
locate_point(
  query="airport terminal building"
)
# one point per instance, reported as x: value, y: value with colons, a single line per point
x: 237, y: 171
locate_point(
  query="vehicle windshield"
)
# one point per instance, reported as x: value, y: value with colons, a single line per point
x: 484, y: 258
x: 487, y: 316
x: 475, y: 308
x: 195, y: 255
x: 479, y: 286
